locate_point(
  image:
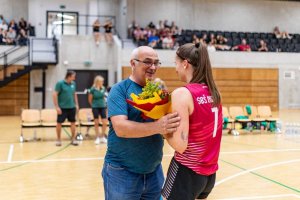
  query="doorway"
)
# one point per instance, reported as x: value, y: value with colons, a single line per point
x: 84, y: 80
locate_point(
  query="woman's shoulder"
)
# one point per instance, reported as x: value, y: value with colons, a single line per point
x: 181, y: 93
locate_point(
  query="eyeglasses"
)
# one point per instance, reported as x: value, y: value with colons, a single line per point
x: 149, y: 63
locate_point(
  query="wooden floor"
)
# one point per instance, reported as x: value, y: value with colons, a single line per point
x: 252, y: 165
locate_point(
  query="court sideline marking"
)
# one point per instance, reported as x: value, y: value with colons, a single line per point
x: 10, y: 153
x: 263, y: 197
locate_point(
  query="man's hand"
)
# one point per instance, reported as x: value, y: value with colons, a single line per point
x: 169, y: 123
x: 58, y: 110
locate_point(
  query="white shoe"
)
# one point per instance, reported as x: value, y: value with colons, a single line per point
x: 103, y: 140
x: 100, y: 140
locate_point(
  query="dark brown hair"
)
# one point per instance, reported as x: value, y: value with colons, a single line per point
x: 69, y: 73
x: 198, y: 57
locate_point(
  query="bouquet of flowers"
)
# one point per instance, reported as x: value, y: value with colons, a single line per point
x: 153, y: 102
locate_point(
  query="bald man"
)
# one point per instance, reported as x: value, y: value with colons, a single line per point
x: 132, y: 168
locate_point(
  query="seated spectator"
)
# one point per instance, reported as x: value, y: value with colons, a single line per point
x: 203, y: 39
x: 12, y: 24
x: 211, y: 47
x: 131, y: 28
x: 4, y: 25
x: 22, y: 38
x: 221, y: 43
x: 137, y: 34
x: 2, y: 37
x: 263, y: 46
x: 279, y: 34
x: 108, y: 31
x: 151, y: 25
x: 96, y: 31
x: 1, y: 19
x: 167, y: 42
x: 196, y: 39
x: 242, y: 47
x: 166, y: 25
x: 153, y: 39
x: 212, y: 39
x: 11, y: 36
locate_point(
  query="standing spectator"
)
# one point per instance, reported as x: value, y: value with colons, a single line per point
x: 66, y: 103
x: 197, y: 140
x: 31, y: 30
x: 22, y: 24
x: 282, y: 34
x: 132, y: 168
x: 96, y: 31
x: 242, y: 47
x: 262, y: 46
x: 22, y: 38
x: 108, y: 31
x: 97, y: 101
x: 168, y: 42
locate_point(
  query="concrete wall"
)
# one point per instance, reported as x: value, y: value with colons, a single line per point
x: 14, y: 9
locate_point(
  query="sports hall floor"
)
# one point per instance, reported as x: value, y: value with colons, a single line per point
x: 252, y: 165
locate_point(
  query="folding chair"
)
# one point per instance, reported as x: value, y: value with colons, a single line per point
x: 254, y: 116
x: 265, y: 112
x: 48, y: 117
x: 30, y: 118
x: 235, y: 112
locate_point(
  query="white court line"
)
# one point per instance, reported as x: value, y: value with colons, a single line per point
x: 263, y: 197
x: 10, y: 153
x: 254, y: 169
x: 102, y: 158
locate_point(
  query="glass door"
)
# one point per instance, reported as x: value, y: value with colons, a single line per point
x: 62, y: 23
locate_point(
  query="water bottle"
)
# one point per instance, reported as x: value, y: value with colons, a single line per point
x: 278, y: 127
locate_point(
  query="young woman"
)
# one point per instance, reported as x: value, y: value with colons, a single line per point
x: 196, y: 141
x: 96, y: 99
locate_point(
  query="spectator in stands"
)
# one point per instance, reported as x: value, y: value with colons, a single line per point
x: 31, y: 30
x: 131, y: 28
x: 108, y: 31
x: 212, y: 39
x: 22, y: 24
x: 96, y: 31
x: 211, y: 47
x: 22, y: 38
x: 1, y: 19
x: 166, y: 25
x: 263, y: 46
x: 195, y: 39
x: 167, y: 42
x: 242, y: 47
x: 66, y: 103
x: 153, y: 39
x: 132, y: 168
x: 221, y: 43
x: 197, y: 140
x: 160, y: 25
x: 4, y: 25
x: 203, y: 39
x: 97, y: 101
x: 13, y: 24
x: 11, y: 36
x: 151, y: 25
x: 282, y: 34
x: 2, y: 37
x: 137, y: 34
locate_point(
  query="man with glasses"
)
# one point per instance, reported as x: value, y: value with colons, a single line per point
x: 132, y: 168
